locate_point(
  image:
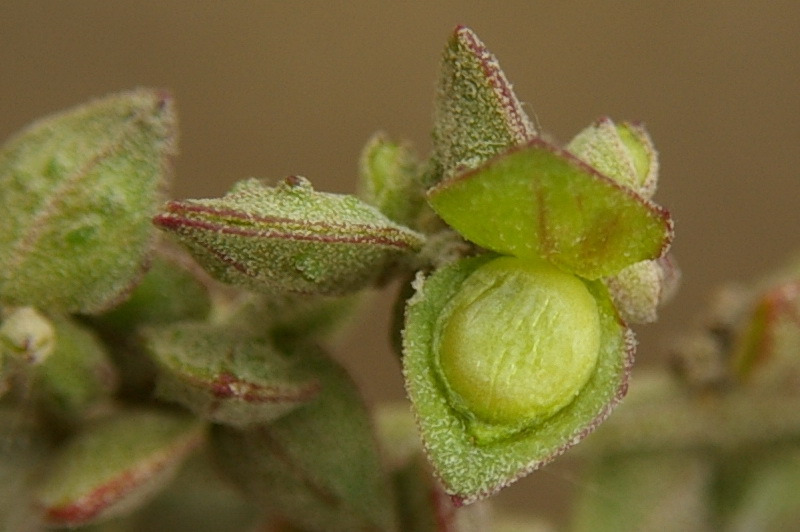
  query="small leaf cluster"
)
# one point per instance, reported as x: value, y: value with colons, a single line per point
x: 147, y: 366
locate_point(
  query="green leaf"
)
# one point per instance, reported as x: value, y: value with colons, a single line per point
x: 225, y: 375
x: 476, y: 113
x: 475, y: 455
x: 289, y: 238
x: 317, y: 466
x: 114, y: 466
x: 538, y: 201
x: 78, y: 191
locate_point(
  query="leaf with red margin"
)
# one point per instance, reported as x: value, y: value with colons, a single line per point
x: 476, y: 113
x: 539, y: 201
x: 115, y: 466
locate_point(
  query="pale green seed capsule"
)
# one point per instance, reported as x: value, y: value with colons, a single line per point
x: 518, y: 342
x: 622, y: 152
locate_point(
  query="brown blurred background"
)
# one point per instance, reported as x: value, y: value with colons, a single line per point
x: 269, y: 89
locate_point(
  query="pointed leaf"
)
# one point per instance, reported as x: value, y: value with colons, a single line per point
x: 477, y: 114
x: 115, y: 465
x: 538, y: 201
x: 289, y: 238
x: 226, y: 376
x: 317, y: 466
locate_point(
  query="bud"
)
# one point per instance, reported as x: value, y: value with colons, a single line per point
x: 543, y: 203
x: 27, y: 336
x: 289, y: 238
x: 640, y: 289
x: 226, y: 376
x: 623, y: 152
x: 508, y: 362
x: 78, y: 376
x: 389, y: 177
x: 477, y: 115
x: 114, y: 466
x: 77, y: 191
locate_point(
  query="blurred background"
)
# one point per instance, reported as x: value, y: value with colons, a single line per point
x: 268, y: 89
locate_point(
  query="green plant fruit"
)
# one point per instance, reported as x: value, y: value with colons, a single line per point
x: 487, y: 413
x: 517, y: 342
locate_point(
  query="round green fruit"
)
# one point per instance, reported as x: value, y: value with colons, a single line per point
x: 517, y: 342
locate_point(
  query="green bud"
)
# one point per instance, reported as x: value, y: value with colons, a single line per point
x: 389, y: 177
x: 79, y: 375
x: 27, y: 336
x: 623, y: 152
x: 641, y: 288
x: 289, y: 238
x: 543, y: 203
x: 77, y: 191
x: 114, y: 466
x: 318, y: 467
x: 477, y: 115
x: 509, y: 362
x: 226, y: 376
